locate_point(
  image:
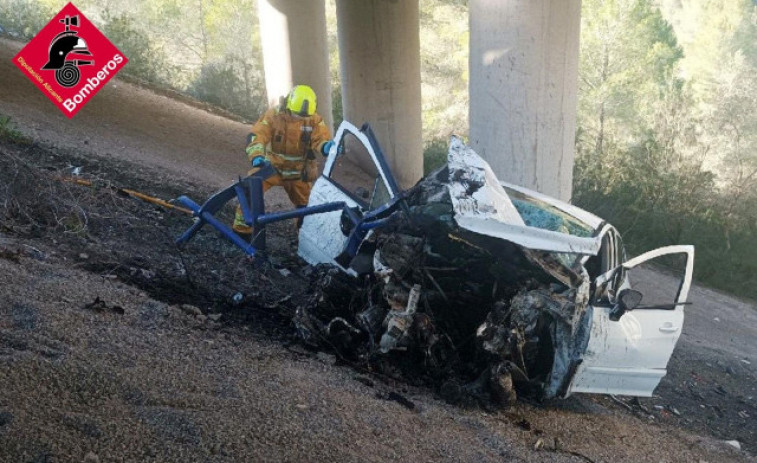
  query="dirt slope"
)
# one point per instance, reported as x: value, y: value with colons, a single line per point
x: 157, y: 384
x: 131, y: 123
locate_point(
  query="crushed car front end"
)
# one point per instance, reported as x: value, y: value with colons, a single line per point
x: 481, y: 288
x: 470, y: 281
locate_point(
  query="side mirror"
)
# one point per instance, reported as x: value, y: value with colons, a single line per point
x: 628, y: 299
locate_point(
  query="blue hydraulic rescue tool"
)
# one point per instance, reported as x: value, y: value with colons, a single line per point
x: 249, y: 192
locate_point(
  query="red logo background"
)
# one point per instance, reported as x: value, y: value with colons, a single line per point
x: 108, y: 60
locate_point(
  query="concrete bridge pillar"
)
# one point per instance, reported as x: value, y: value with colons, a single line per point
x: 295, y: 49
x: 379, y: 51
x: 523, y: 84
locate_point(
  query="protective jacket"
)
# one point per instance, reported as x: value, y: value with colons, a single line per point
x: 287, y: 140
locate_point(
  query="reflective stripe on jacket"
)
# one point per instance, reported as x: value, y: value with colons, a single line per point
x: 285, y: 140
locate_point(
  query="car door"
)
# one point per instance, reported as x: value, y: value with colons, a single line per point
x: 630, y: 356
x: 355, y: 173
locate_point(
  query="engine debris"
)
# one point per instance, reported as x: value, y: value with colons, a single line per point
x: 446, y: 306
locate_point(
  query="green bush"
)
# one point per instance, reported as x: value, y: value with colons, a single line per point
x: 222, y: 83
x: 8, y: 131
x: 146, y: 61
x: 24, y: 18
x: 655, y: 199
x: 434, y: 154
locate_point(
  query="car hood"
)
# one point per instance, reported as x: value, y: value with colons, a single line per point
x: 482, y: 206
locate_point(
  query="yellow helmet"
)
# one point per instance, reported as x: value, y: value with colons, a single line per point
x: 301, y: 101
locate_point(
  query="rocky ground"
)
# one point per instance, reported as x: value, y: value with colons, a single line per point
x: 117, y: 346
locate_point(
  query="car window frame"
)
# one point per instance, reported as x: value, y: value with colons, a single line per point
x: 347, y: 128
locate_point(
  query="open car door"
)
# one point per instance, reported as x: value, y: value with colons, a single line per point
x: 629, y: 356
x: 355, y: 173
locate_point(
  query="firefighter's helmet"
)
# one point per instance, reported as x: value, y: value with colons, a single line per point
x: 64, y: 44
x: 301, y: 101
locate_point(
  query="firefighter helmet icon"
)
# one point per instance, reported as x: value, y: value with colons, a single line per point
x: 62, y: 53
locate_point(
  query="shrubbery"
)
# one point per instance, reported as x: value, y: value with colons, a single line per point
x: 146, y: 61
x: 24, y: 18
x: 434, y: 154
x: 222, y: 83
x: 657, y: 200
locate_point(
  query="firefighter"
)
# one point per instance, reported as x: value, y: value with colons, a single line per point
x: 287, y: 137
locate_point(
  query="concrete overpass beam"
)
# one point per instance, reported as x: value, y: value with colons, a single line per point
x: 379, y: 51
x: 523, y: 85
x: 295, y: 49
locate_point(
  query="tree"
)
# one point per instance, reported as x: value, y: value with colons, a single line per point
x: 635, y: 164
x: 720, y: 40
x: 629, y: 58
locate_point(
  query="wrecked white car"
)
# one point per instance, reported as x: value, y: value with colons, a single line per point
x: 579, y: 326
x: 476, y: 286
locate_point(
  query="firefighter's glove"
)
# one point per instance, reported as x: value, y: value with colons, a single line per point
x: 260, y: 161
x: 326, y: 148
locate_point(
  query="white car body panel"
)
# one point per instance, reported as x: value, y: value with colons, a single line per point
x: 639, y: 382
x: 489, y: 203
x: 625, y: 356
x: 321, y: 238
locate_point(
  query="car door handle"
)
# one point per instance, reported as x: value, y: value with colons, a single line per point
x: 668, y: 329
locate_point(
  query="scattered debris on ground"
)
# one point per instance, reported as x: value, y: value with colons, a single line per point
x: 98, y: 305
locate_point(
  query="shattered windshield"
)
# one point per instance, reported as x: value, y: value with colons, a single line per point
x: 539, y: 214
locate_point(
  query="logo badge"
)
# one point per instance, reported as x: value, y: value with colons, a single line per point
x: 70, y: 60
